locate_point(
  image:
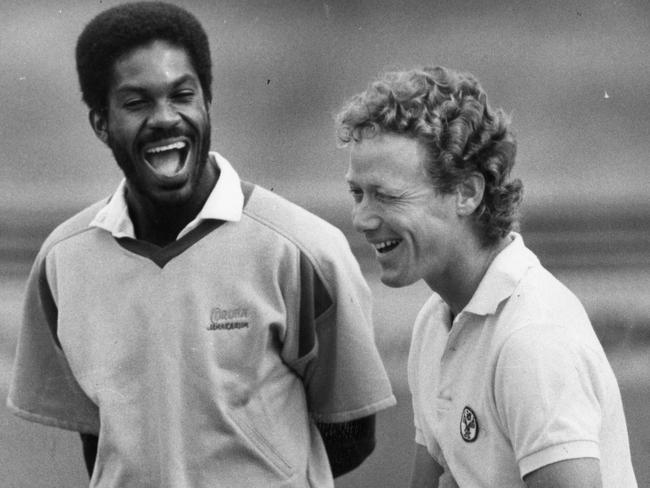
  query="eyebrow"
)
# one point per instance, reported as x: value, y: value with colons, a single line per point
x: 141, y: 89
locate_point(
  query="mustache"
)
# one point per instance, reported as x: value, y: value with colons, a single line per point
x: 159, y: 134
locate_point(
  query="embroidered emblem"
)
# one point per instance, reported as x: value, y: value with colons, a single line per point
x: 236, y: 318
x: 468, y: 425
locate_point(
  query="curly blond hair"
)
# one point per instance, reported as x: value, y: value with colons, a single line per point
x: 448, y: 112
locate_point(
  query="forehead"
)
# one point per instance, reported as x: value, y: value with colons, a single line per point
x: 153, y: 63
x: 387, y: 160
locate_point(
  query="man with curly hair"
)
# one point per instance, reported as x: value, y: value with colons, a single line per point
x: 196, y: 329
x: 510, y: 385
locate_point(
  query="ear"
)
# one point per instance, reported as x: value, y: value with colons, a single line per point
x: 99, y: 122
x: 469, y: 194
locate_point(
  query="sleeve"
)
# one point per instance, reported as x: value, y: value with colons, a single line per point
x: 43, y: 388
x: 333, y: 349
x: 547, y: 398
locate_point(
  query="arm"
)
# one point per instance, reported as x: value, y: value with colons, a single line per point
x: 572, y: 473
x: 426, y: 471
x: 89, y: 443
x: 348, y: 444
x: 546, y: 391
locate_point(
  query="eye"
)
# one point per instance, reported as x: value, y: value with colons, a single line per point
x: 357, y: 194
x: 134, y: 103
x: 184, y: 96
x: 384, y: 197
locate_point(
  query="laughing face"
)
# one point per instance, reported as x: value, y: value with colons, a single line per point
x: 412, y: 227
x: 157, y: 125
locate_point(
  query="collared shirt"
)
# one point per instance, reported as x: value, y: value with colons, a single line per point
x: 517, y: 381
x: 207, y: 362
x: 225, y: 202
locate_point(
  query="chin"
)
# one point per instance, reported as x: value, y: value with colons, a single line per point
x: 397, y: 281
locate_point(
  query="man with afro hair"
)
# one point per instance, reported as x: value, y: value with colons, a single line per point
x: 196, y: 329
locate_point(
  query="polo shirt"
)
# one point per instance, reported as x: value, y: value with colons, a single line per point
x: 518, y: 380
x: 206, y: 362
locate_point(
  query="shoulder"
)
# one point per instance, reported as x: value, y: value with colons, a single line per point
x: 321, y: 244
x: 310, y: 233
x: 546, y: 353
x: 541, y: 287
x: 75, y: 225
x: 540, y: 300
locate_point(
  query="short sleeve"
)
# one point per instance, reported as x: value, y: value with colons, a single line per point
x: 336, y: 354
x: 547, y: 398
x: 43, y: 388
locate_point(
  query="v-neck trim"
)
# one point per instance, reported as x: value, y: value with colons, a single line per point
x: 161, y: 255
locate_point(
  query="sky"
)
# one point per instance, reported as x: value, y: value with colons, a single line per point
x: 574, y: 75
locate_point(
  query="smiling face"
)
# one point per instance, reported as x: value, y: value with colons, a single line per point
x: 157, y: 125
x: 413, y: 228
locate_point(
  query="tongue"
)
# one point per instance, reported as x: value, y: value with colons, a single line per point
x: 166, y: 163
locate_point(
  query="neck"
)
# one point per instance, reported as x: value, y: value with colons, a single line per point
x: 161, y: 224
x: 464, y: 275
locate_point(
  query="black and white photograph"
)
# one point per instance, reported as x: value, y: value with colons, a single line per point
x: 299, y: 243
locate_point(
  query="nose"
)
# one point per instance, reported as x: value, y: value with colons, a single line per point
x: 364, y: 217
x: 164, y: 115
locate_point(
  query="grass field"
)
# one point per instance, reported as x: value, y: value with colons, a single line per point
x: 33, y: 456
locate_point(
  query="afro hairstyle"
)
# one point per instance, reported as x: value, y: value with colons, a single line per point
x: 118, y: 30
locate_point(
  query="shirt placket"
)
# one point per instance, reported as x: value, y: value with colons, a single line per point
x: 445, y: 392
x: 450, y: 362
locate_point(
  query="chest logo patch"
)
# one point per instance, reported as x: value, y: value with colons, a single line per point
x: 222, y: 319
x: 468, y: 425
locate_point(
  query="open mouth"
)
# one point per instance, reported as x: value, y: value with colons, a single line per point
x: 167, y: 160
x: 386, y: 246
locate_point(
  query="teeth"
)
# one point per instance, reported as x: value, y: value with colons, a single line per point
x: 167, y: 160
x: 386, y: 244
x: 168, y: 147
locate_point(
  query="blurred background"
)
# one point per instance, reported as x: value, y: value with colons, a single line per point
x: 573, y: 74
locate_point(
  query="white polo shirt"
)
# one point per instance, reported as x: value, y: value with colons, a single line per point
x: 518, y: 381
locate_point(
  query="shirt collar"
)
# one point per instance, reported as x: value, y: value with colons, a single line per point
x: 502, y: 276
x: 225, y: 202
